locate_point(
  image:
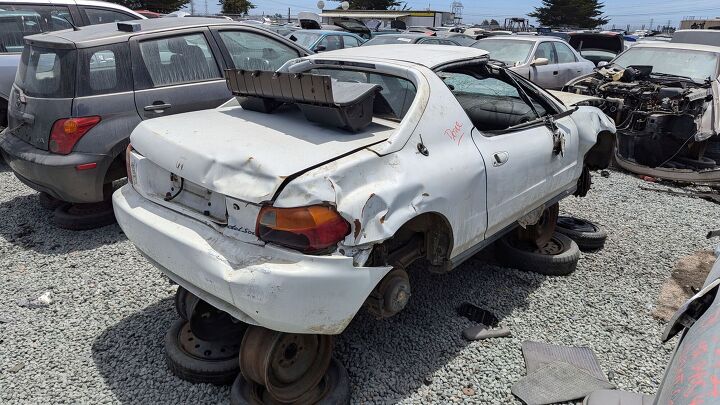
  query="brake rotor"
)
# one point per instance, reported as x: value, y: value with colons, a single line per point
x: 542, y: 232
x: 206, y: 350
x: 289, y: 365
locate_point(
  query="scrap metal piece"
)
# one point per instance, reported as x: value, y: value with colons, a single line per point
x: 712, y: 197
x: 481, y: 332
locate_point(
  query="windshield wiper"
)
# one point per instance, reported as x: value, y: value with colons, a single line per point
x: 672, y: 76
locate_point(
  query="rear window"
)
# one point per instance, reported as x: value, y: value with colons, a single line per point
x: 18, y: 21
x: 47, y: 73
x: 104, y: 70
x: 396, y: 95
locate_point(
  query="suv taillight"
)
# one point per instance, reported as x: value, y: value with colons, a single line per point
x: 314, y: 229
x: 67, y: 132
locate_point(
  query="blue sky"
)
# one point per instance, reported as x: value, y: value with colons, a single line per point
x: 622, y: 12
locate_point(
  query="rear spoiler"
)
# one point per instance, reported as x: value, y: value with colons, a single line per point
x: 322, y: 100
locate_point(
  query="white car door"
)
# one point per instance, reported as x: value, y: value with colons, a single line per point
x: 525, y: 168
x: 570, y: 66
x: 546, y: 76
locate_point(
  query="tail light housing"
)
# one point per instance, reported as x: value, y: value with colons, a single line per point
x: 66, y: 132
x: 315, y: 229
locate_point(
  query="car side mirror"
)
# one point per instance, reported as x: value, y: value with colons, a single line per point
x: 320, y: 48
x: 602, y: 63
x: 540, y: 62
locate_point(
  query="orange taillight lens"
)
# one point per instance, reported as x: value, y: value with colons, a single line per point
x: 311, y: 229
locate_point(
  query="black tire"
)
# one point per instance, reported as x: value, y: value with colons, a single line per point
x: 525, y: 256
x: 81, y: 217
x: 49, y: 202
x: 181, y: 296
x: 588, y: 236
x: 336, y: 380
x: 220, y: 369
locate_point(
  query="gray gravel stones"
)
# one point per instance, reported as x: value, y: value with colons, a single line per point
x: 100, y: 341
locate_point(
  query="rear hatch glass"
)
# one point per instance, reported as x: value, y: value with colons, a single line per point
x: 43, y: 93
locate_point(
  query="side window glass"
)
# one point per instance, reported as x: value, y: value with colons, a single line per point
x: 565, y: 55
x: 251, y: 51
x: 350, y: 42
x: 104, y: 70
x: 491, y: 103
x: 545, y: 50
x: 331, y: 42
x: 180, y: 59
x: 18, y: 21
x: 103, y: 16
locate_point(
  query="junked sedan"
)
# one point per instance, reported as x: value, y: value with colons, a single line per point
x: 664, y: 99
x: 309, y: 196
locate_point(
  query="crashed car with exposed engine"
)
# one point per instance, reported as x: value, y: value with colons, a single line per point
x: 664, y: 98
x: 310, y: 195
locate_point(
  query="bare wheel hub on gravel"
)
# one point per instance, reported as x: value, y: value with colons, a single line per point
x: 289, y: 365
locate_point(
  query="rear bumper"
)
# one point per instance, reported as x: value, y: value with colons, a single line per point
x: 276, y: 288
x: 56, y: 174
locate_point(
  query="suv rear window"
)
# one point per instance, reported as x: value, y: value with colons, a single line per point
x: 47, y: 73
x: 20, y: 20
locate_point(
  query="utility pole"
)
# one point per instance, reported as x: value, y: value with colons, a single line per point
x: 288, y: 15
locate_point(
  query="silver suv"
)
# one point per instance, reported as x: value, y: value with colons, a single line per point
x: 19, y: 19
x: 79, y: 94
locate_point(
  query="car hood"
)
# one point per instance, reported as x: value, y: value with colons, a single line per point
x: 245, y: 154
x: 610, y: 43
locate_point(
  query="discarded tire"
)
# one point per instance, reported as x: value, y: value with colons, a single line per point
x: 334, y: 389
x: 558, y: 257
x: 588, y: 236
x: 81, y: 217
x: 49, y: 202
x: 199, y: 361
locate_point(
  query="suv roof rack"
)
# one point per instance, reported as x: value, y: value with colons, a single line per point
x: 321, y: 99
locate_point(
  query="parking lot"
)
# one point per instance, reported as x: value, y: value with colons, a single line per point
x: 101, y: 338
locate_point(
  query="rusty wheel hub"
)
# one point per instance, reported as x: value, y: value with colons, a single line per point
x: 542, y: 232
x: 291, y: 366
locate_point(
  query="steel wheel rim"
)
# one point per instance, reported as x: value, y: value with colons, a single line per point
x: 263, y: 349
x: 204, y: 350
x: 553, y: 248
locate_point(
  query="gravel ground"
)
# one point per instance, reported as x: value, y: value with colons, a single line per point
x: 100, y: 340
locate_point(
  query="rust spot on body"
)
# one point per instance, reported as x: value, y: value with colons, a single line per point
x: 357, y: 228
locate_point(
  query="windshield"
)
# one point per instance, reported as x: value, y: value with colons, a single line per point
x: 305, y: 39
x: 698, y: 65
x: 390, y: 39
x: 47, y: 73
x: 508, y: 51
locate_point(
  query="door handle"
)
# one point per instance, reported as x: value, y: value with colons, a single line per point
x: 157, y: 106
x: 500, y: 158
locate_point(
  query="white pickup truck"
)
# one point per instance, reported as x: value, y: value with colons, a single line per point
x: 291, y: 224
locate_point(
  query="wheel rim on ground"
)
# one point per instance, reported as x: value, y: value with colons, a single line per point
x: 576, y: 224
x: 289, y: 365
x: 553, y: 247
x: 206, y: 350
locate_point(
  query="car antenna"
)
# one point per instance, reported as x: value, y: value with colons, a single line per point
x: 74, y: 27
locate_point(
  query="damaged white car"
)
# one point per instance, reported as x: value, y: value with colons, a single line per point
x: 311, y: 198
x: 664, y: 99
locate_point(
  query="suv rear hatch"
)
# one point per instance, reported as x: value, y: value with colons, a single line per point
x: 42, y: 93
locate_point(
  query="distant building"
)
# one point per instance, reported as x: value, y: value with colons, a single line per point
x: 692, y: 23
x: 424, y: 18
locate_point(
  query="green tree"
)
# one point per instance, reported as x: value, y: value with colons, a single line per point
x: 158, y: 6
x: 236, y: 6
x: 371, y: 4
x: 570, y: 13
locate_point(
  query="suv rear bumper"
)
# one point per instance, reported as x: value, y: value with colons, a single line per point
x: 56, y: 174
x: 276, y: 288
